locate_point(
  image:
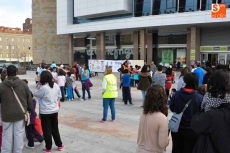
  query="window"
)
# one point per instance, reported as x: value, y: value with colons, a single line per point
x: 7, y: 47
x: 171, y: 4
x: 12, y: 39
x: 0, y: 38
x: 12, y: 47
x: 0, y: 47
x: 146, y: 8
x: 28, y: 40
x: 23, y: 40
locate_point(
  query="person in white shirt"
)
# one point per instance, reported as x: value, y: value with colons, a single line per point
x: 54, y: 74
x: 39, y: 67
x: 49, y: 94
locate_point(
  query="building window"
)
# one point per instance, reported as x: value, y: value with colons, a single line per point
x: 28, y: 40
x: 0, y: 47
x: 12, y: 47
x: 171, y: 4
x: 12, y: 39
x: 7, y: 47
x: 0, y: 38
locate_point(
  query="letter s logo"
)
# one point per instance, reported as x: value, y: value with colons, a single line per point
x: 215, y: 8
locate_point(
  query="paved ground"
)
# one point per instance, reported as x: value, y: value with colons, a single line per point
x: 81, y: 131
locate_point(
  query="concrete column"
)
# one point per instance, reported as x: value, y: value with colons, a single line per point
x: 100, y: 42
x: 71, y: 56
x: 46, y: 44
x: 188, y: 47
x: 193, y: 43
x: 143, y: 44
x: 135, y: 45
x: 149, y: 47
x: 102, y: 45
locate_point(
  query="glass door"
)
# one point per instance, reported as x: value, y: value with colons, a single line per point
x: 203, y: 58
x: 222, y: 59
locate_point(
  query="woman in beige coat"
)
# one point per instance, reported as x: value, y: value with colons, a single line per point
x: 153, y: 126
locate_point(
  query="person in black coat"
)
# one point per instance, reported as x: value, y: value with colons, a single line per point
x: 185, y: 139
x: 213, y: 122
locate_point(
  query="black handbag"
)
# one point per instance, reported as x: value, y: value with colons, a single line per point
x: 204, y: 144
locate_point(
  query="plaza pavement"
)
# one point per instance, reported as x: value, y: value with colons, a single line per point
x: 81, y: 131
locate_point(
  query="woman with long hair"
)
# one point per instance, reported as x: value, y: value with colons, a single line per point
x: 153, y: 126
x: 212, y: 123
x: 86, y: 84
x: 180, y: 83
x: 109, y: 93
x: 145, y: 81
x: 185, y: 139
x: 49, y: 94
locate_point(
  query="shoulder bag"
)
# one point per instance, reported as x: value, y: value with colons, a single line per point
x: 175, y: 120
x: 26, y: 113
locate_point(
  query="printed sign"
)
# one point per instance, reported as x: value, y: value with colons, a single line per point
x: 192, y: 55
x: 218, y: 10
x: 167, y: 56
x: 214, y: 48
x: 100, y: 65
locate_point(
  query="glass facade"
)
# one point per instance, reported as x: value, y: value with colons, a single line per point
x: 157, y: 7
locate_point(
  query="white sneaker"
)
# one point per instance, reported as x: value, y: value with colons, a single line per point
x: 72, y: 99
x: 29, y: 146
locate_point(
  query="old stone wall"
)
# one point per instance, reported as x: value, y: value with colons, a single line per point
x: 47, y: 45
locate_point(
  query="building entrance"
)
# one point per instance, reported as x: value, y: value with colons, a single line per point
x: 215, y: 58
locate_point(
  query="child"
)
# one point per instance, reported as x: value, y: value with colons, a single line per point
x: 170, y: 97
x: 31, y: 132
x: 126, y: 87
x: 69, y: 83
x: 37, y: 79
x: 37, y: 125
x: 74, y: 86
x: 54, y: 74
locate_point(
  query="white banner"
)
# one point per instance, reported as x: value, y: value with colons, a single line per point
x: 100, y: 65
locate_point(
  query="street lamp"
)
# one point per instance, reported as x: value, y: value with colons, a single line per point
x: 9, y: 49
x: 91, y: 45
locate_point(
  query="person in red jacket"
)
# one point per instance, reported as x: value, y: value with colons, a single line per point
x: 168, y: 83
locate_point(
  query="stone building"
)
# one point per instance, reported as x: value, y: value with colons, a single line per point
x: 47, y: 45
x: 27, y: 26
x: 15, y: 45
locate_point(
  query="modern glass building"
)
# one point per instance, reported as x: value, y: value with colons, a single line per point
x: 164, y: 31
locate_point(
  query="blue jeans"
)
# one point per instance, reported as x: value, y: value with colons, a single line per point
x: 143, y: 96
x: 108, y: 102
x: 62, y: 93
x: 83, y: 92
x: 70, y: 93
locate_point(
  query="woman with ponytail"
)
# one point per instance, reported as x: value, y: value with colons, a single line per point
x: 49, y: 94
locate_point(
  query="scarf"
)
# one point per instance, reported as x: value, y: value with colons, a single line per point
x: 210, y: 102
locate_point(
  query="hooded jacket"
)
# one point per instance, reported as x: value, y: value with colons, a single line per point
x: 145, y: 81
x: 216, y: 123
x: 11, y: 110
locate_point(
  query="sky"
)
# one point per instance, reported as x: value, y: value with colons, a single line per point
x: 14, y: 12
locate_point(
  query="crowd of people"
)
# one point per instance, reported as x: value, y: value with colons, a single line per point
x: 204, y: 92
x: 203, y: 96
